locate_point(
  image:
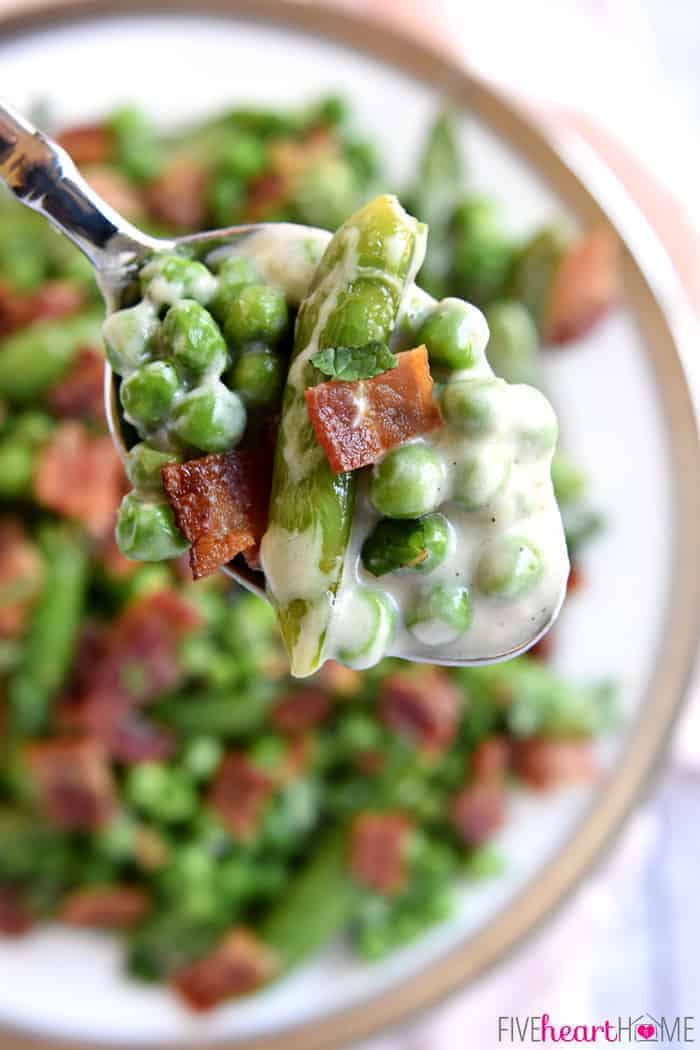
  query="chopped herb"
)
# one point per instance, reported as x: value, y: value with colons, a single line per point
x: 355, y: 362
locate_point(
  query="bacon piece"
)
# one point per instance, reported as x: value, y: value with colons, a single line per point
x: 546, y: 764
x: 88, y: 143
x: 117, y: 191
x: 378, y: 850
x: 112, y: 907
x: 53, y: 299
x: 73, y: 781
x: 239, y: 964
x: 338, y: 679
x: 15, y: 916
x: 79, y: 395
x: 128, y: 664
x: 491, y: 758
x: 178, y: 197
x: 586, y: 284
x: 478, y: 810
x: 424, y: 706
x: 220, y: 503
x: 355, y: 423
x: 575, y: 580
x: 21, y: 571
x: 80, y: 475
x: 266, y: 193
x: 301, y: 710
x: 239, y: 793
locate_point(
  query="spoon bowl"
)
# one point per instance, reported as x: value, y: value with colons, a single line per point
x: 42, y: 176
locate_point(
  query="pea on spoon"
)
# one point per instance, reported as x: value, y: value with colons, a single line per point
x: 487, y: 467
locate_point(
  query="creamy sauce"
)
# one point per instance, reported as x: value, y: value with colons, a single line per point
x: 509, y: 483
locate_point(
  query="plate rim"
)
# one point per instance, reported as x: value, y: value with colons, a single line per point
x: 647, y: 736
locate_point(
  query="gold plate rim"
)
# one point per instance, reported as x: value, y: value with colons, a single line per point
x: 647, y: 737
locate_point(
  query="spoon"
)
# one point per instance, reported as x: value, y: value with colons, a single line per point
x: 42, y: 176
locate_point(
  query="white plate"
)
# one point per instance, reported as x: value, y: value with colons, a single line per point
x: 69, y: 985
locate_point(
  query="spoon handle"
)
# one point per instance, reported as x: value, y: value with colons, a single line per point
x: 43, y: 177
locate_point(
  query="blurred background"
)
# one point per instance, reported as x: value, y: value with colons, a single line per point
x: 623, y: 75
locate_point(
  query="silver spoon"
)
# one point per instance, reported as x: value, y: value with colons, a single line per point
x: 43, y: 177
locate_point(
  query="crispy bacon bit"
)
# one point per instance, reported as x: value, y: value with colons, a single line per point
x: 356, y: 422
x: 21, y: 572
x: 15, y: 917
x: 575, y: 580
x: 128, y: 664
x: 265, y: 193
x: 491, y: 758
x: 586, y: 285
x: 239, y: 964
x: 239, y: 792
x: 52, y: 300
x: 478, y: 810
x: 73, y: 781
x: 220, y: 503
x: 88, y: 143
x: 79, y: 395
x: 543, y: 649
x: 338, y: 679
x: 178, y: 197
x: 377, y: 850
x: 105, y: 907
x: 545, y: 764
x: 80, y: 475
x: 424, y: 706
x: 117, y: 191
x: 301, y: 710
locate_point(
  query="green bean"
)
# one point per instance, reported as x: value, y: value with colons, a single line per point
x: 419, y: 544
x: 137, y: 144
x: 319, y: 902
x: 53, y: 630
x: 225, y: 714
x: 34, y: 358
x: 534, y: 270
x: 364, y: 270
x: 513, y: 347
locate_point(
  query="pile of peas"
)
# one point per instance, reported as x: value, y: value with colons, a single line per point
x: 485, y: 434
x: 198, y: 356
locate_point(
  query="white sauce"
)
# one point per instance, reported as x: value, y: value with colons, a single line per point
x: 523, y: 505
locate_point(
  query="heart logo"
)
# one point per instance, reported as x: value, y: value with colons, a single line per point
x: 646, y: 1031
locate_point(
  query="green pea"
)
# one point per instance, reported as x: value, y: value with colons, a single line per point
x: 568, y: 480
x: 144, y: 463
x: 441, y: 614
x: 258, y: 313
x: 147, y: 395
x: 211, y: 418
x: 244, y: 156
x: 194, y: 338
x: 147, y: 531
x: 201, y: 756
x: 235, y: 273
x: 474, y: 405
x: 17, y: 461
x: 168, y: 278
x: 513, y: 347
x: 408, y: 482
x: 479, y: 477
x: 137, y: 145
x: 163, y: 793
x: 226, y: 197
x: 418, y: 544
x: 325, y: 193
x: 536, y: 427
x: 129, y: 337
x: 258, y: 376
x: 508, y: 567
x: 482, y: 250
x: 369, y: 620
x: 454, y: 333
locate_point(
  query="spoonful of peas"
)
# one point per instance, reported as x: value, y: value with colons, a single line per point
x: 409, y: 509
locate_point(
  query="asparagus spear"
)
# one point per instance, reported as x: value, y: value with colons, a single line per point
x: 354, y: 300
